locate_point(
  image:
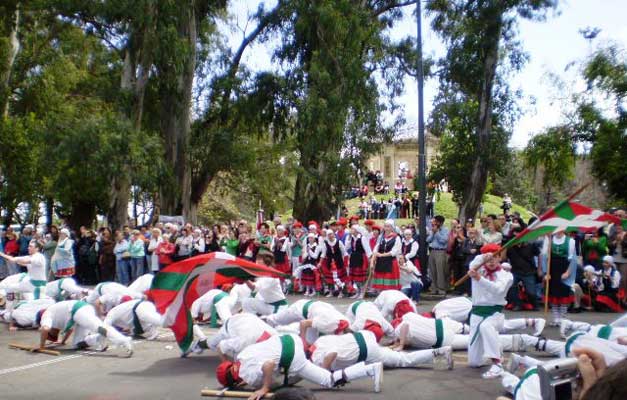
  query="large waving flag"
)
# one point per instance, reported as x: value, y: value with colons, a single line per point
x: 566, y: 216
x: 176, y: 287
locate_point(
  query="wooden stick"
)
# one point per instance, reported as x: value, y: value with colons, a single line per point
x: 231, y: 393
x: 34, y: 349
x: 548, y: 276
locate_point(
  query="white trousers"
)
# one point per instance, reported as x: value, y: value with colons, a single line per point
x: 285, y: 316
x: 397, y: 359
x: 86, y: 325
x: 320, y: 376
x: 529, y: 390
x: 259, y: 307
x: 484, y: 338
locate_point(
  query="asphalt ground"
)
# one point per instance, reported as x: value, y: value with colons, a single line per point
x: 156, y: 371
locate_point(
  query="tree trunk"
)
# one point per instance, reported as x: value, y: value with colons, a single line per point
x: 83, y: 214
x: 49, y: 211
x: 9, y: 47
x: 176, y: 122
x: 313, y: 194
x: 479, y: 177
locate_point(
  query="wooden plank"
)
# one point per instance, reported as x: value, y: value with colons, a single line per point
x: 230, y: 393
x: 34, y: 349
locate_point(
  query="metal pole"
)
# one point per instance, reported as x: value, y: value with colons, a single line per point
x: 422, y: 157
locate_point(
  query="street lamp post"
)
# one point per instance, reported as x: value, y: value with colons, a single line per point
x: 422, y: 157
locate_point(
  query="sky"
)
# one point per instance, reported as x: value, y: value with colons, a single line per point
x: 552, y: 45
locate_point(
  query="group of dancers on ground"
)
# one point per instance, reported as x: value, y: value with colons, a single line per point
x: 262, y: 337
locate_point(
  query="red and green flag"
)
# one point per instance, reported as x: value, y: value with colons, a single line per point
x: 176, y: 287
x: 566, y: 216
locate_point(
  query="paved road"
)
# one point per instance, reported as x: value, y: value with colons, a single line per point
x: 157, y: 372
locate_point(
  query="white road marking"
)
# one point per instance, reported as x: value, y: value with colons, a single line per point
x: 66, y: 358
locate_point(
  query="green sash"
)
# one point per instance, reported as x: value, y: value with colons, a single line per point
x: 59, y: 283
x: 287, y: 355
x: 605, y: 332
x: 278, y: 304
x: 77, y: 306
x: 306, y: 308
x: 363, y: 349
x: 569, y: 342
x: 483, y: 312
x: 214, y: 311
x: 355, y: 306
x: 439, y: 333
x: 530, y: 372
x: 38, y: 285
x: 99, y: 288
x: 137, y: 326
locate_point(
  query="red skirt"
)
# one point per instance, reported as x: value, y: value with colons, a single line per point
x: 308, y: 277
x: 331, y: 272
x: 387, y: 280
x: 359, y: 272
x: 65, y: 272
x: 561, y: 300
x: 608, y: 302
x: 283, y: 266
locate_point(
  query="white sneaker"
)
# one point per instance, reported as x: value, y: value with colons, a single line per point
x: 329, y: 294
x: 128, y: 347
x: 340, y: 295
x: 513, y: 363
x: 538, y: 324
x: 377, y: 376
x: 565, y: 327
x: 443, y: 355
x: 495, y: 371
x: 101, y: 344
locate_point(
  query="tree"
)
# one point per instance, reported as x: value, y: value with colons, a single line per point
x: 332, y: 52
x: 605, y: 127
x: 553, y: 153
x: 481, y: 45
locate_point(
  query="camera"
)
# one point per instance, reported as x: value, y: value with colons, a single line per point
x: 558, y: 379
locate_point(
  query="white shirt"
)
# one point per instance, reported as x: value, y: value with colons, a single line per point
x: 397, y: 248
x: 239, y: 332
x: 58, y: 315
x: 409, y: 274
x: 199, y: 244
x: 110, y: 287
x: 142, y: 283
x: 25, y: 313
x: 67, y: 284
x: 486, y: 292
x: 456, y: 308
x: 36, y: 266
x: 325, y: 318
x: 413, y: 248
x: 328, y: 245
x: 345, y: 346
x: 240, y: 292
x: 154, y: 258
x: 254, y: 356
x: 558, y: 241
x: 364, y: 242
x: 202, y: 305
x: 422, y: 332
x: 387, y: 300
x: 367, y: 311
x: 269, y: 289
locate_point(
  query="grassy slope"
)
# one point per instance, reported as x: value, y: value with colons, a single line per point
x: 447, y: 208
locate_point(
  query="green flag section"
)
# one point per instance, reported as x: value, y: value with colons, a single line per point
x: 566, y: 216
x: 176, y: 287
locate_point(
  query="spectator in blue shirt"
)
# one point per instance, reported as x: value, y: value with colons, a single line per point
x: 437, y: 239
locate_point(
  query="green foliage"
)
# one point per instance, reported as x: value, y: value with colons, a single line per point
x: 475, y: 109
x: 554, y: 153
x: 605, y: 127
x: 515, y: 181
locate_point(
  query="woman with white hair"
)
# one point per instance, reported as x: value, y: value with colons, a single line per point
x: 155, y: 239
x: 386, y: 271
x: 62, y: 262
x: 358, y: 247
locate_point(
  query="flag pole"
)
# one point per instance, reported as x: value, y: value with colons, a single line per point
x: 547, y: 279
x: 508, y: 244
